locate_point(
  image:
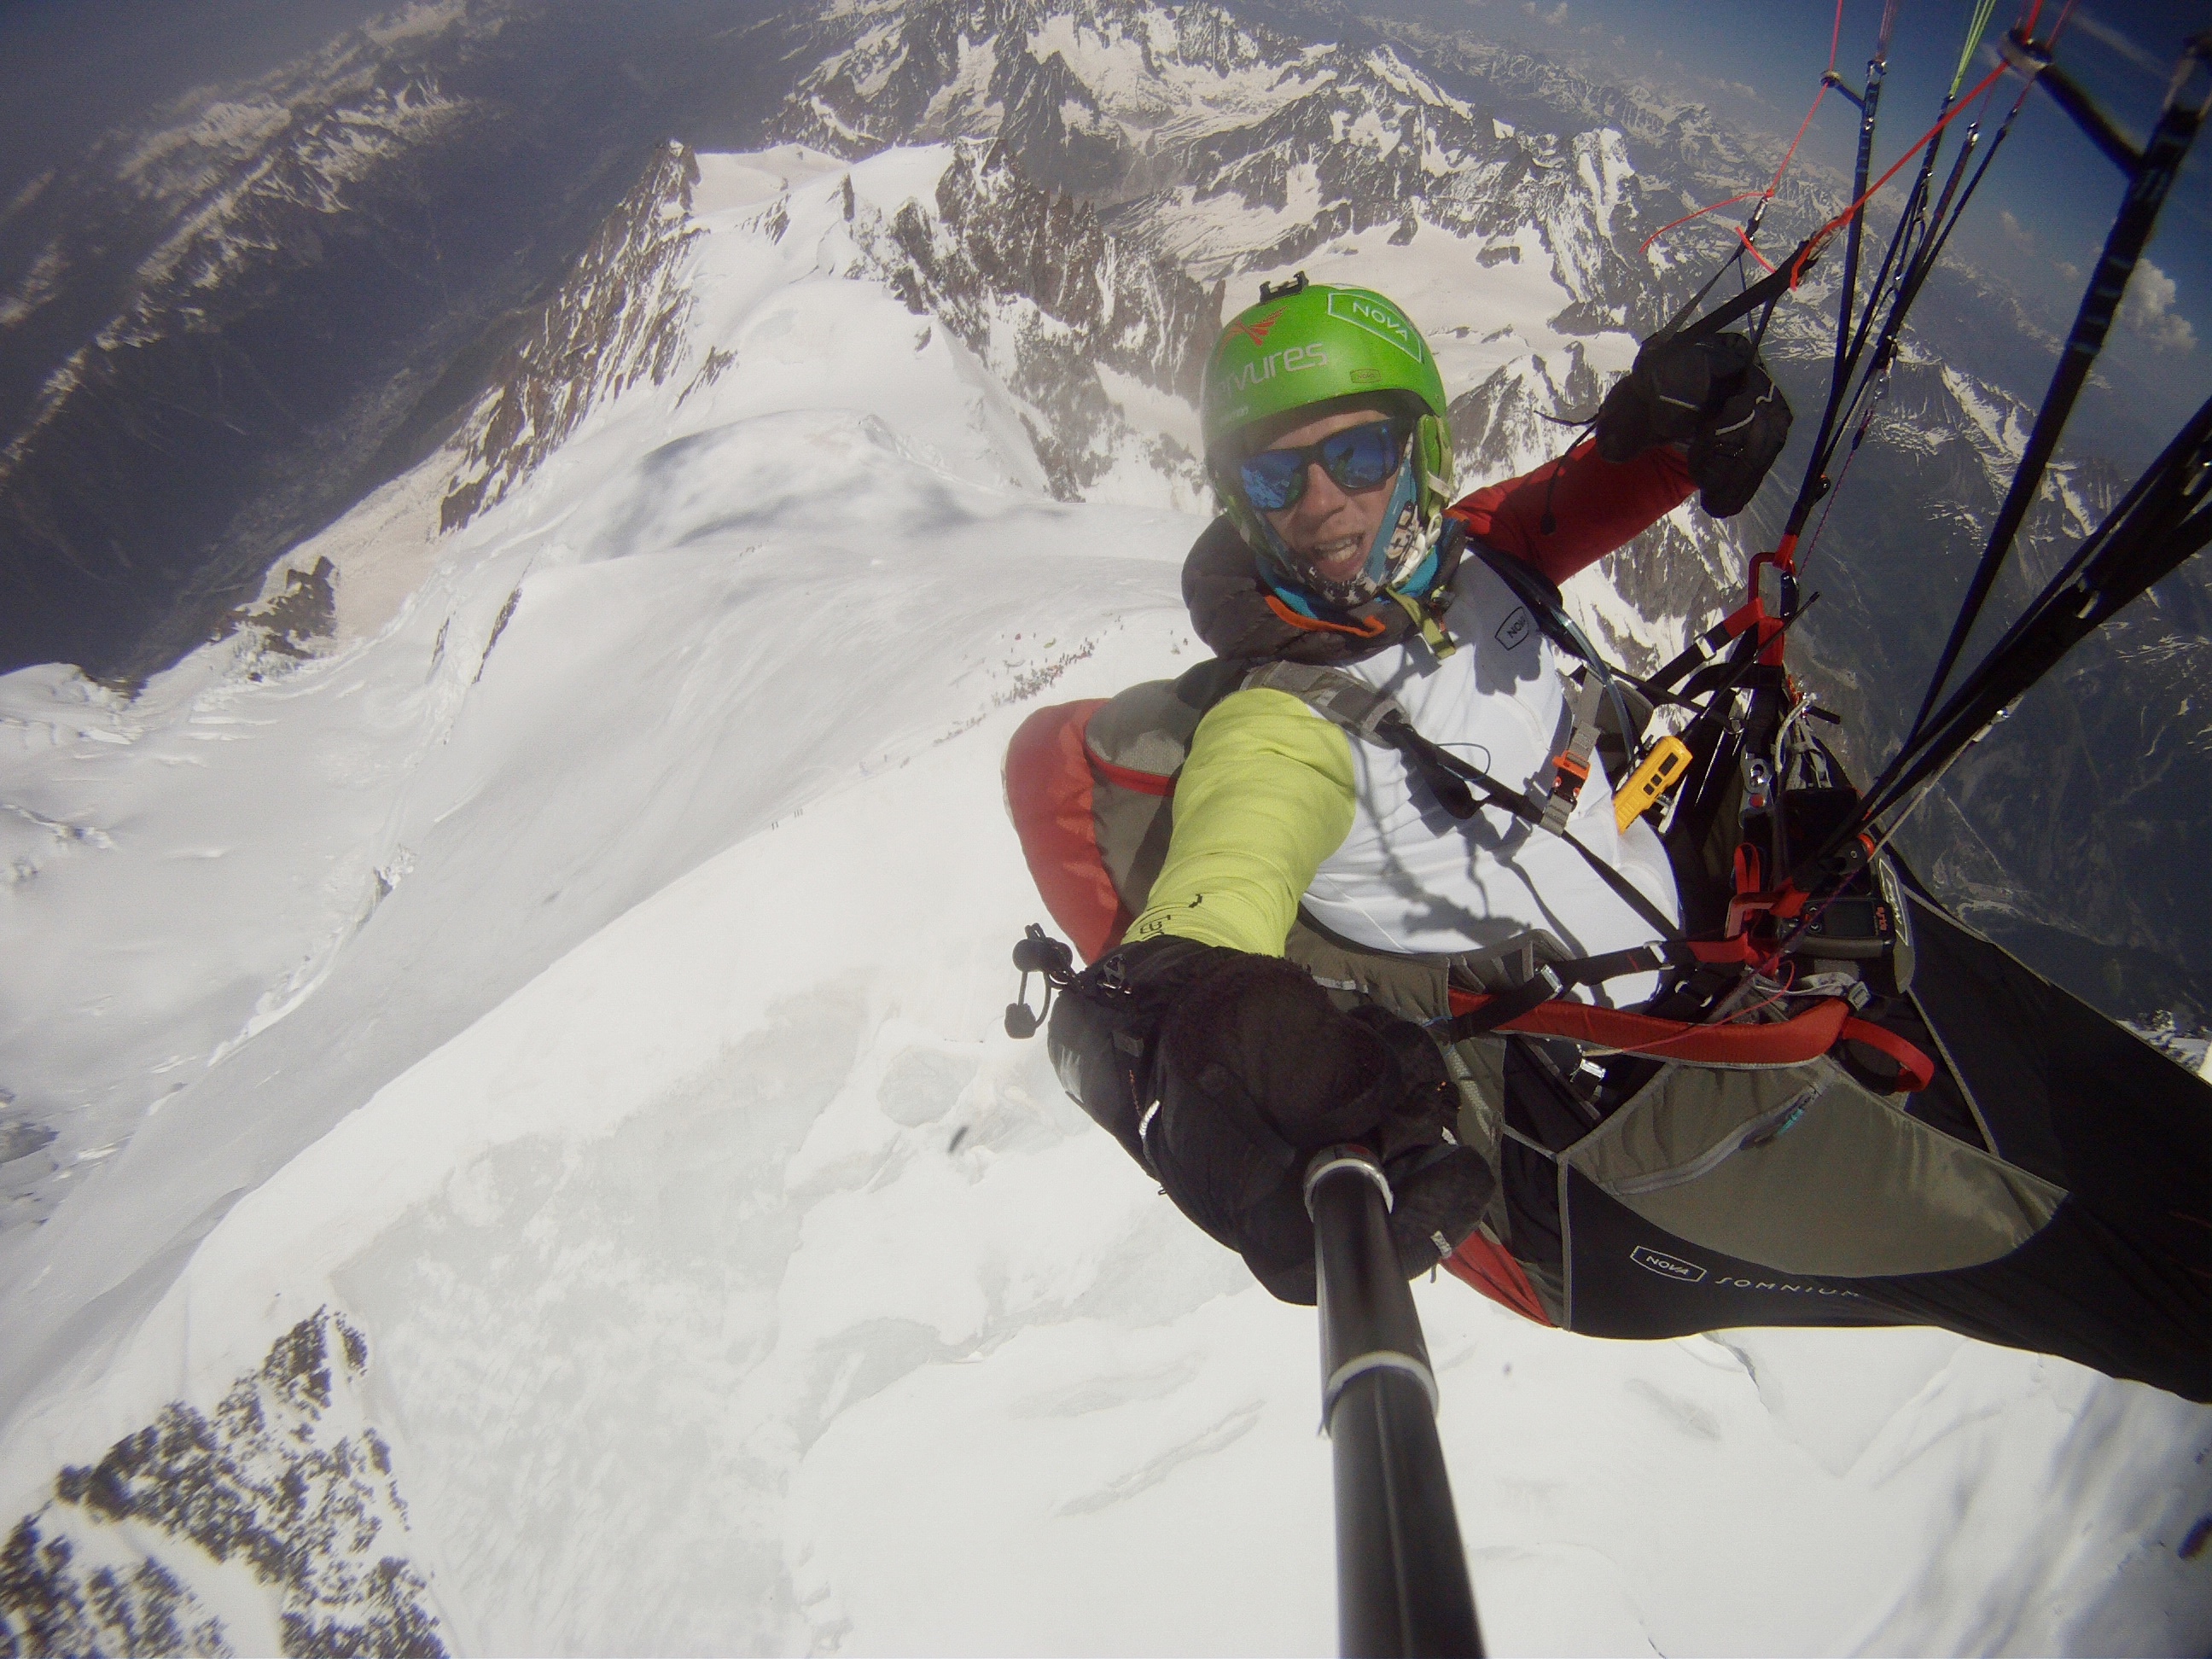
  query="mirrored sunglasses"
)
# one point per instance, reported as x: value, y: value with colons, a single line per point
x: 1360, y: 458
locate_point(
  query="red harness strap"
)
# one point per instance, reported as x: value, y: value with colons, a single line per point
x: 1915, y: 1070
x: 1785, y: 1042
x: 1144, y: 783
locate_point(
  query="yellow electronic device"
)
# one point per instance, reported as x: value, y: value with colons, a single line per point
x: 1647, y: 785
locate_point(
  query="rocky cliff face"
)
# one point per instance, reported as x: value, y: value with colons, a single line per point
x: 284, y: 1482
x: 1030, y: 282
x: 616, y: 319
x: 1172, y: 119
x: 1086, y: 96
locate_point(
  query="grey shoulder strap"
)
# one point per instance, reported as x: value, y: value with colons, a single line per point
x: 1571, y: 767
x: 1336, y: 695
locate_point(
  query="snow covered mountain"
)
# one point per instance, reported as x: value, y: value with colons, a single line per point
x: 506, y: 1144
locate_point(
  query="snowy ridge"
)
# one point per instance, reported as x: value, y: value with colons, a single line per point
x: 509, y: 615
x: 769, y: 294
x: 1053, y: 309
x: 562, y: 948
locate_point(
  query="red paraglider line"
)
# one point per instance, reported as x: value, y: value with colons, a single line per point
x: 1818, y: 238
x: 1828, y: 80
x: 1744, y: 196
x: 1766, y: 264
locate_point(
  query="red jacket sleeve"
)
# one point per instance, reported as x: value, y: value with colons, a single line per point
x: 1595, y: 507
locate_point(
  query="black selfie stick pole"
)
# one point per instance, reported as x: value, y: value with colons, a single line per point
x: 1401, y: 1582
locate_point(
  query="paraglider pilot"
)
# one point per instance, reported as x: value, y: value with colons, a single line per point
x: 1287, y: 979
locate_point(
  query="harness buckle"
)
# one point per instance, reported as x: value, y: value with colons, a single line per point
x: 1571, y: 767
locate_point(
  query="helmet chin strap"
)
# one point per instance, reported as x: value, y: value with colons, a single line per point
x: 1401, y: 557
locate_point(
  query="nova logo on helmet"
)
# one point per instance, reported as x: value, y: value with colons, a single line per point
x: 1295, y: 361
x: 1365, y: 311
x: 1259, y: 328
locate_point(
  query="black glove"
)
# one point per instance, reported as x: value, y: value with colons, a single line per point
x: 1223, y: 1072
x: 1712, y: 395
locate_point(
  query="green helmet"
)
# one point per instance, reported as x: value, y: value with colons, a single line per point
x: 1307, y: 344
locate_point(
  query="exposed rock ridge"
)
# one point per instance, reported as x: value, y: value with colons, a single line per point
x: 617, y: 320
x: 1000, y: 69
x: 1031, y: 283
x: 285, y: 1478
x: 1156, y: 116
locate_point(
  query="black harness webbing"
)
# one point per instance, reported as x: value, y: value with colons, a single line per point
x: 1553, y: 979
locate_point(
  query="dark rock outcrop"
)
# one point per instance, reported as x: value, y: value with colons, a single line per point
x: 273, y: 1479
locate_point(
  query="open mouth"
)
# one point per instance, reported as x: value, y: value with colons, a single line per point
x: 1339, y: 560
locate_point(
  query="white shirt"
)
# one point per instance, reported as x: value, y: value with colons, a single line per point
x: 1410, y: 877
